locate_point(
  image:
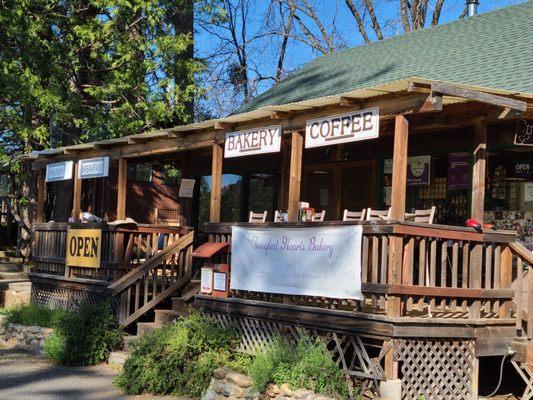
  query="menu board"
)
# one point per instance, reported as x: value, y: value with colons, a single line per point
x: 458, y: 168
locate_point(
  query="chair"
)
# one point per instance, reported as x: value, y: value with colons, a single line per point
x: 377, y: 215
x: 318, y: 216
x: 258, y: 217
x: 425, y: 216
x: 354, y: 215
x: 278, y: 216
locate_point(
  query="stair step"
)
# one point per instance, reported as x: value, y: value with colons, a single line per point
x: 13, y: 275
x: 128, y: 342
x: 8, y: 253
x: 17, y: 285
x: 146, y: 327
x: 11, y: 267
x: 118, y: 358
x: 10, y: 260
x: 167, y: 316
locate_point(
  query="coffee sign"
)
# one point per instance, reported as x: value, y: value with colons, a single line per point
x: 93, y: 168
x: 60, y: 171
x: 253, y: 141
x: 343, y: 128
x: 84, y: 248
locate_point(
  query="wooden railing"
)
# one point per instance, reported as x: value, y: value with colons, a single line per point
x: 446, y: 272
x: 6, y: 203
x: 522, y: 259
x: 135, y: 245
x: 157, y: 278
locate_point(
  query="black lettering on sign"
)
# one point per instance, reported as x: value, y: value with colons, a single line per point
x: 80, y: 246
x: 86, y: 247
x: 94, y: 247
x: 72, y: 246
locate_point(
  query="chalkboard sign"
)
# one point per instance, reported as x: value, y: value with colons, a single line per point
x: 524, y: 133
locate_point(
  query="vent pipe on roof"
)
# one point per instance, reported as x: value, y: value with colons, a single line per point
x: 471, y: 7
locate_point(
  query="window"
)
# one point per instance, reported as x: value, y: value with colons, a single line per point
x: 140, y: 173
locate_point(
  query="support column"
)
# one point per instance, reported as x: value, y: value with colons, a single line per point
x: 399, y: 186
x: 285, y: 173
x: 41, y: 193
x: 295, y: 176
x: 478, y: 171
x: 76, y: 202
x: 216, y: 183
x: 122, y: 183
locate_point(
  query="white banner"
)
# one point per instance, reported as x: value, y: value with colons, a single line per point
x: 343, y: 128
x: 93, y: 168
x: 60, y: 171
x: 318, y: 261
x: 252, y: 141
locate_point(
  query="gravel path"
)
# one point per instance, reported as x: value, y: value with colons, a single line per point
x: 24, y: 376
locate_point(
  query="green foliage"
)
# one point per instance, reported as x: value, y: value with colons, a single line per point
x: 306, y: 365
x: 29, y: 314
x: 178, y: 359
x: 84, y: 337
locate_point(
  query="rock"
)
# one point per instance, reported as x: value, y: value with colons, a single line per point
x: 304, y: 394
x: 209, y: 395
x: 225, y: 390
x: 220, y: 373
x: 250, y: 394
x: 286, y: 390
x: 34, y: 329
x: 238, y: 392
x: 272, y: 391
x: 216, y: 387
x: 238, y: 379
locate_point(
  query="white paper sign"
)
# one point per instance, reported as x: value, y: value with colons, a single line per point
x: 60, y: 171
x: 206, y: 280
x: 318, y: 261
x: 219, y: 281
x: 93, y: 168
x: 343, y: 128
x: 253, y: 141
x: 528, y: 191
x: 186, y: 188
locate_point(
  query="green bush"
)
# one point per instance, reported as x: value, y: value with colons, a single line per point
x: 179, y: 359
x: 84, y: 337
x: 305, y: 365
x: 29, y: 314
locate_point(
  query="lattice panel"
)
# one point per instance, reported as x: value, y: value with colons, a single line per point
x: 435, y: 369
x: 363, y: 367
x: 60, y: 298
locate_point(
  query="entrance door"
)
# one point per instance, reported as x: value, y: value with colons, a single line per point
x: 358, y: 186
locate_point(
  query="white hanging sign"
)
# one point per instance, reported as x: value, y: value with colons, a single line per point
x: 93, y: 168
x: 60, y: 171
x: 186, y: 188
x: 343, y: 128
x: 318, y: 261
x: 252, y: 141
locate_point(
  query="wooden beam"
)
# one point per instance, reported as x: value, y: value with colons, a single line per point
x: 76, y: 201
x: 41, y: 193
x: 280, y: 114
x: 295, y: 176
x: 122, y: 183
x: 399, y: 168
x: 216, y: 183
x: 285, y: 174
x: 478, y: 171
x: 476, y: 95
x: 223, y: 126
x: 506, y: 279
x: 351, y: 102
x: 415, y: 87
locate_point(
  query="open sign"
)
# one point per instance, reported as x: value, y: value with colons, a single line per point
x: 84, y: 248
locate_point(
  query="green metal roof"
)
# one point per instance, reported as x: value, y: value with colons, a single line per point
x: 492, y: 50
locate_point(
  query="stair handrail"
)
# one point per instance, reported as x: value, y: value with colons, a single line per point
x: 17, y: 218
x: 522, y: 251
x: 524, y: 256
x: 132, y: 276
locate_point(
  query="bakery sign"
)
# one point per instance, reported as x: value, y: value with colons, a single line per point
x: 253, y: 141
x: 342, y: 128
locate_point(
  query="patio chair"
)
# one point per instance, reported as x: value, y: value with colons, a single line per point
x: 354, y: 215
x: 319, y: 216
x: 377, y: 215
x: 258, y: 217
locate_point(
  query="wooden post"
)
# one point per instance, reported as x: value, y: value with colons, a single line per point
x: 295, y: 177
x: 285, y: 174
x: 41, y: 193
x: 506, y: 278
x: 399, y: 185
x: 122, y: 183
x: 76, y: 203
x: 478, y: 171
x: 216, y: 183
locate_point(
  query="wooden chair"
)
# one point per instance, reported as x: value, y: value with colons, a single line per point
x: 258, y: 217
x: 278, y: 215
x: 425, y: 216
x: 354, y: 215
x: 318, y: 216
x: 377, y: 215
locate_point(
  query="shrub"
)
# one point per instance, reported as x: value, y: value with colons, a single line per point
x: 29, y: 314
x: 305, y: 365
x: 84, y: 337
x: 179, y: 358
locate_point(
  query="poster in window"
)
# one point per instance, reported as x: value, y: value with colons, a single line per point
x: 458, y: 171
x: 418, y: 170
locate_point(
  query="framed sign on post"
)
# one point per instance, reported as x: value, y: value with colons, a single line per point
x: 60, y: 171
x: 322, y: 261
x: 253, y: 141
x: 93, y: 168
x: 84, y: 248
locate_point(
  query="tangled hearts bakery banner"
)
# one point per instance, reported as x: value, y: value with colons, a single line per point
x: 317, y: 261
